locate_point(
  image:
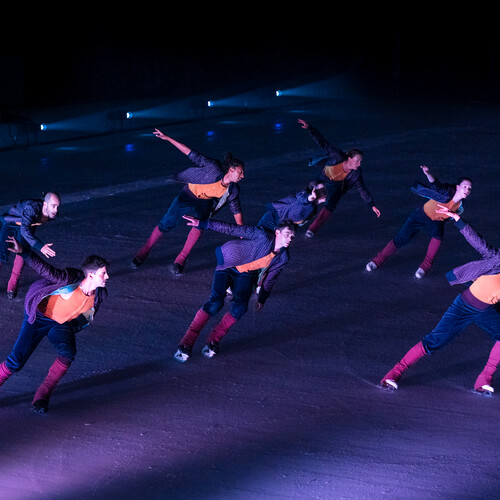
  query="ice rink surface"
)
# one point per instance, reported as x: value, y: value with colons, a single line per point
x: 290, y: 408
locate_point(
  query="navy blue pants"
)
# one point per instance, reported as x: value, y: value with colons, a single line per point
x: 61, y: 336
x: 416, y: 221
x: 458, y: 317
x: 184, y: 204
x: 242, y: 285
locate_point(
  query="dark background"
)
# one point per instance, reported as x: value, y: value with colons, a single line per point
x: 162, y: 50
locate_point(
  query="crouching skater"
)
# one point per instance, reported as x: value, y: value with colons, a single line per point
x: 239, y: 263
x: 474, y: 305
x: 57, y: 306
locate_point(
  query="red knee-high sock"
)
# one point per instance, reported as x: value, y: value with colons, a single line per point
x: 193, y: 236
x: 321, y: 218
x: 489, y: 370
x: 385, y: 253
x: 410, y: 358
x: 5, y: 373
x: 221, y: 328
x: 199, y: 321
x: 56, y: 372
x: 143, y: 253
x: 432, y: 250
x: 17, y: 269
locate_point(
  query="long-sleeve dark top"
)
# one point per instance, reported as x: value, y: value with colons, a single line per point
x: 27, y: 213
x: 489, y: 264
x: 255, y: 243
x: 51, y: 280
x: 207, y: 171
x: 295, y: 207
x: 334, y: 156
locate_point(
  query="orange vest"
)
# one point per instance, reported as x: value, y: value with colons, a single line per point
x: 261, y: 263
x: 487, y: 288
x: 431, y: 206
x: 335, y: 172
x: 65, y: 307
x: 207, y: 191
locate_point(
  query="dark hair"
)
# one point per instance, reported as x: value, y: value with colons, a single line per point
x: 92, y: 263
x: 231, y: 162
x: 320, y: 191
x: 461, y: 179
x: 286, y: 224
x: 354, y: 152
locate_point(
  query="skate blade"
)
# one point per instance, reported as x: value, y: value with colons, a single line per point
x: 387, y: 386
x: 484, y: 391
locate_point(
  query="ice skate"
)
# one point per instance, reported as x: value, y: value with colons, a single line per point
x: 40, y: 406
x: 485, y: 390
x: 136, y: 263
x: 388, y: 385
x: 419, y: 273
x: 176, y: 269
x: 183, y: 353
x: 211, y: 349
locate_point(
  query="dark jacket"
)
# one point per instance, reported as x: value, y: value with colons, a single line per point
x: 489, y: 263
x: 208, y: 171
x: 438, y: 191
x: 27, y: 213
x: 52, y: 279
x: 255, y: 243
x: 334, y: 156
x: 295, y: 207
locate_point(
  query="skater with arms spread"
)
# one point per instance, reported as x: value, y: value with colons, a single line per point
x: 239, y: 263
x: 21, y: 222
x: 426, y: 217
x: 474, y: 305
x: 340, y: 171
x: 57, y: 306
x: 209, y: 185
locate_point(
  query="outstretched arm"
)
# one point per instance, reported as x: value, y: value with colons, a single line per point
x: 474, y: 239
x: 239, y: 231
x: 428, y: 174
x: 181, y: 147
x: 41, y: 267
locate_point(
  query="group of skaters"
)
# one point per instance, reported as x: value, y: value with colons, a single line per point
x: 64, y: 301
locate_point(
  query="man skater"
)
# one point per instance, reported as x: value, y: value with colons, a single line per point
x: 239, y: 262
x: 208, y: 187
x: 21, y: 222
x: 425, y: 216
x: 340, y: 171
x: 61, y: 303
x: 474, y: 305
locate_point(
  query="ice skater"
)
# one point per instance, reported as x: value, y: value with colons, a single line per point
x: 21, y: 222
x: 57, y: 306
x: 239, y: 262
x: 298, y: 208
x: 209, y: 185
x: 426, y: 217
x: 340, y: 171
x: 474, y: 305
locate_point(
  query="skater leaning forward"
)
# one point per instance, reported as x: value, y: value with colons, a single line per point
x: 21, y: 222
x: 474, y: 305
x: 340, y: 171
x: 426, y: 217
x: 239, y: 263
x: 57, y: 306
x: 209, y: 185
